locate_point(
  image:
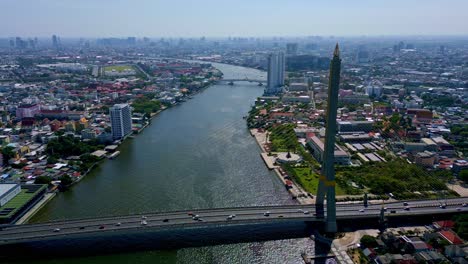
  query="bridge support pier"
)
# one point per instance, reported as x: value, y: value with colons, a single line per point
x: 327, y: 180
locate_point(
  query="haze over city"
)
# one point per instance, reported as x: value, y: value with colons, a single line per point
x: 214, y: 18
x: 260, y: 131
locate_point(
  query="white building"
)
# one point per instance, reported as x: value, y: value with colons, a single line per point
x: 8, y: 191
x: 121, y: 121
x: 276, y: 72
x: 374, y: 88
x: 298, y: 87
x: 318, y: 148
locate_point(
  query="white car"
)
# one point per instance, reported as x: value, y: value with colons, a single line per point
x: 144, y: 222
x: 267, y: 213
x: 57, y: 230
x: 361, y: 210
x: 306, y: 212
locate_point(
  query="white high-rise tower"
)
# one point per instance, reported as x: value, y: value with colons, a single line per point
x: 276, y: 71
x: 121, y: 121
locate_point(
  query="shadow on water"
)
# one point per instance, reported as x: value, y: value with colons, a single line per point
x: 143, y: 240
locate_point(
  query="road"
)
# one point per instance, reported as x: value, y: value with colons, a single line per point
x: 181, y: 219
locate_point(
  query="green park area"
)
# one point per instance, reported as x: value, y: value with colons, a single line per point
x: 283, y: 138
x: 118, y: 68
x: 397, y: 176
x: 402, y: 179
x: 308, y: 179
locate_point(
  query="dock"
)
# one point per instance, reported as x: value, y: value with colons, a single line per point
x: 310, y: 259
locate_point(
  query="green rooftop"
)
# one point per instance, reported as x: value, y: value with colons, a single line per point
x: 28, y: 192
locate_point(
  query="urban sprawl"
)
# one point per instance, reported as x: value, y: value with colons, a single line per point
x: 67, y: 104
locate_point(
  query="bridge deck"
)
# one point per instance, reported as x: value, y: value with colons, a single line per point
x: 213, y: 217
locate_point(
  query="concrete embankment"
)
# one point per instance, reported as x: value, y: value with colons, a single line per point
x: 47, y: 197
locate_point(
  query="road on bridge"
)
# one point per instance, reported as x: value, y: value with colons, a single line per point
x: 59, y: 229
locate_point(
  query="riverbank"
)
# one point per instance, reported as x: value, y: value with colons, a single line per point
x: 38, y: 206
x: 102, y: 159
x: 294, y: 189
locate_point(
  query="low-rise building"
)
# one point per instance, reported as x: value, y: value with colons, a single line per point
x: 355, y: 137
x: 355, y: 126
x: 425, y: 158
x: 318, y: 148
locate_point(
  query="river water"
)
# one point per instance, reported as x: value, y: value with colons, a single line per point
x: 196, y: 155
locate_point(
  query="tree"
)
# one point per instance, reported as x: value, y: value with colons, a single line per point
x: 65, y: 180
x: 43, y: 180
x: 463, y: 175
x: 8, y: 154
x: 368, y: 241
x: 52, y: 160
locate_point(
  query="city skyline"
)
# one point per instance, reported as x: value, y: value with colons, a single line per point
x: 207, y: 18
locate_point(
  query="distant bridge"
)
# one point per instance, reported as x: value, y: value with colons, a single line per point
x: 179, y: 229
x: 262, y: 81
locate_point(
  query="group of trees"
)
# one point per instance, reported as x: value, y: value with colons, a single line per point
x: 394, y: 124
x: 439, y: 100
x: 283, y: 138
x: 65, y: 146
x: 65, y: 180
x: 459, y: 133
x: 146, y: 106
x: 461, y: 225
x: 397, y: 177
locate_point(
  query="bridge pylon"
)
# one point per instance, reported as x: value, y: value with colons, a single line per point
x: 326, y: 188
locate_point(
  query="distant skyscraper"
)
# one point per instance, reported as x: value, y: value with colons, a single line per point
x: 20, y: 44
x: 327, y: 180
x: 362, y: 55
x: 276, y: 71
x: 131, y: 40
x: 55, y: 42
x: 291, y: 48
x: 121, y: 121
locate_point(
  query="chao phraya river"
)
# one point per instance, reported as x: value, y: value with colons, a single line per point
x: 198, y: 154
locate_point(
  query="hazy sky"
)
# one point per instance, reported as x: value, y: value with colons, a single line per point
x: 193, y: 18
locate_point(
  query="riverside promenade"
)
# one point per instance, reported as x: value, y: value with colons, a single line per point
x: 296, y: 191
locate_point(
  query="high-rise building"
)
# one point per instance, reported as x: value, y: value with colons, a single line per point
x: 362, y: 55
x: 276, y: 71
x: 55, y: 42
x: 291, y: 48
x: 327, y: 180
x: 121, y: 121
x: 374, y: 88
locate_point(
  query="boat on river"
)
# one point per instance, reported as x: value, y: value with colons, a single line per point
x: 114, y: 155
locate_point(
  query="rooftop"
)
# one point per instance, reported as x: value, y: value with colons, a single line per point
x: 6, y: 187
x: 28, y: 192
